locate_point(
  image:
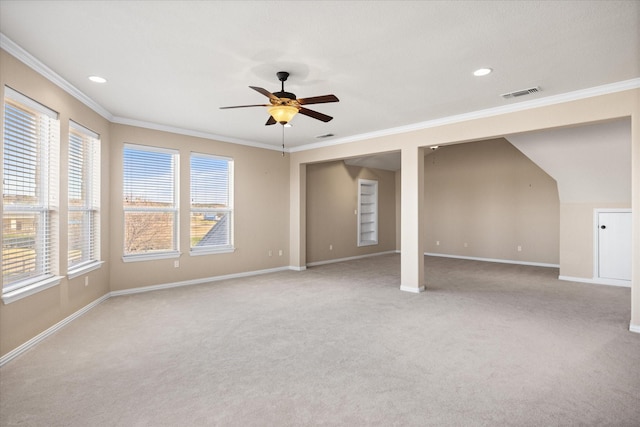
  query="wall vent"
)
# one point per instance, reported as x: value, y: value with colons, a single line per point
x: 522, y: 92
x: 326, y: 135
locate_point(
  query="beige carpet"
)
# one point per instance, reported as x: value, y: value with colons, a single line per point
x: 487, y: 345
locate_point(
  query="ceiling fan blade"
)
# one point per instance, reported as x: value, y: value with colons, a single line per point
x: 265, y: 93
x: 244, y: 106
x: 271, y: 121
x: 315, y: 114
x: 318, y: 99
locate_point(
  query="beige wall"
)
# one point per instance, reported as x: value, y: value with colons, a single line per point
x: 577, y: 238
x: 332, y: 198
x: 490, y: 196
x: 591, y: 109
x: 25, y: 318
x: 271, y: 197
x: 261, y: 217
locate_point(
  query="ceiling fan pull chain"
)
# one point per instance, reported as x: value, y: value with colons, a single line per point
x: 282, y: 140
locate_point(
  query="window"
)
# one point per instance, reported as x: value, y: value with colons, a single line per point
x: 211, y: 204
x: 84, y: 199
x: 150, y: 202
x: 31, y: 143
x: 367, y: 212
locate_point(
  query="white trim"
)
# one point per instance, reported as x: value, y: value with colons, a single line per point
x: 84, y: 269
x: 634, y: 328
x: 36, y: 65
x: 371, y: 184
x: 489, y: 112
x: 296, y: 268
x: 151, y: 257
x: 194, y: 133
x: 82, y: 129
x: 41, y: 336
x: 28, y: 59
x: 331, y: 261
x: 20, y: 98
x: 211, y: 250
x: 195, y: 281
x: 597, y: 281
x: 32, y: 289
x: 502, y: 261
x: 412, y: 290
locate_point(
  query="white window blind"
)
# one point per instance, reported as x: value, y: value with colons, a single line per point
x: 211, y: 203
x: 31, y: 143
x: 150, y: 201
x: 84, y: 197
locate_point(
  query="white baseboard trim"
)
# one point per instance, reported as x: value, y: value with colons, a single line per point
x: 597, y: 281
x: 502, y: 261
x: 53, y: 329
x: 331, y: 261
x: 41, y: 336
x: 634, y: 328
x: 296, y: 268
x: 195, y: 281
x: 412, y: 290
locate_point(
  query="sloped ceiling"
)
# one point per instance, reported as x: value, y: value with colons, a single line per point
x: 590, y: 163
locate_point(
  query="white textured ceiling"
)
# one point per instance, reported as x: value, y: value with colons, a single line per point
x: 391, y: 63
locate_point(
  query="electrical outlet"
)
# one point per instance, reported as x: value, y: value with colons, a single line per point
x: 176, y: 264
x: 519, y: 248
x: 270, y: 252
x: 437, y: 242
x: 86, y: 281
x: 330, y: 247
x: 280, y: 252
x: 466, y: 245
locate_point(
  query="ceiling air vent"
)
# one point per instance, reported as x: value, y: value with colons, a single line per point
x: 522, y: 92
x: 326, y: 135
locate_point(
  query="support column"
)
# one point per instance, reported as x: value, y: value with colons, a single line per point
x: 635, y: 221
x: 297, y: 217
x: 412, y: 220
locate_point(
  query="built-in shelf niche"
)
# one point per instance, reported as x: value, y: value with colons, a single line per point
x: 367, y: 212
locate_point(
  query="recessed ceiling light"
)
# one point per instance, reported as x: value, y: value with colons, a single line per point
x: 97, y: 79
x: 482, y: 72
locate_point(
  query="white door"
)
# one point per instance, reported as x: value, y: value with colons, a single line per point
x: 614, y: 245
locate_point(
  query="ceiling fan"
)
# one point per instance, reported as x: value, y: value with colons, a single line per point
x: 284, y: 105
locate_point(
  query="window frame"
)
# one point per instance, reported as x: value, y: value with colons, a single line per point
x: 227, y: 210
x: 90, y: 200
x: 45, y: 188
x: 174, y: 252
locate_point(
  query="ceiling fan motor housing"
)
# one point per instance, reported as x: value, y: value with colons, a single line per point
x: 287, y: 95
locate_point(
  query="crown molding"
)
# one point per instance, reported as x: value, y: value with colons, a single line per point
x: 189, y: 132
x: 489, y: 112
x: 32, y: 62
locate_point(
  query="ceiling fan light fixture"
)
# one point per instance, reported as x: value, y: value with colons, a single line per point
x: 282, y: 113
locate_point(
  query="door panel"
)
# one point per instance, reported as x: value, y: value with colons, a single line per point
x: 614, y: 245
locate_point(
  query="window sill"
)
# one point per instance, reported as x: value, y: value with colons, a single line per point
x: 150, y: 257
x: 212, y: 251
x: 25, y: 291
x: 84, y: 269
